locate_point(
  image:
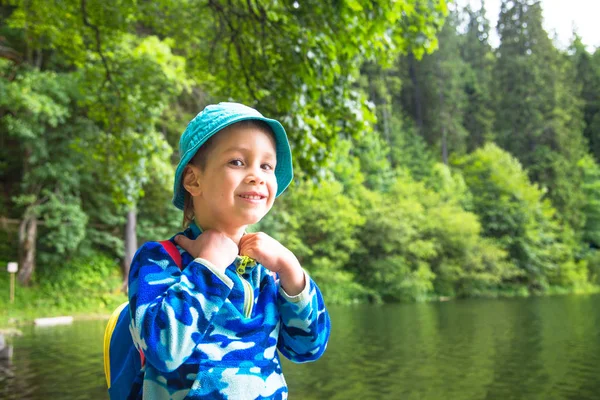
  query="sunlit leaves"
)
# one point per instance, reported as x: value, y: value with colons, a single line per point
x: 516, y: 213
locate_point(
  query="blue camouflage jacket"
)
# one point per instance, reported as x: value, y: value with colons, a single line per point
x: 213, y: 335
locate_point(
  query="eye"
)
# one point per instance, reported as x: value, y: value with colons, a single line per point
x: 237, y: 162
x: 267, y: 167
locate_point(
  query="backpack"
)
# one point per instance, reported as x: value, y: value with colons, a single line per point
x: 122, y: 360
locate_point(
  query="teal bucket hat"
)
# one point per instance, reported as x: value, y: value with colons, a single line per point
x: 214, y: 118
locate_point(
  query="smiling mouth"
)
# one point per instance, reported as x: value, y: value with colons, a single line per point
x: 252, y: 197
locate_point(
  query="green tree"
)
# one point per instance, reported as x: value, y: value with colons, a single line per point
x: 479, y: 57
x: 433, y: 94
x: 318, y: 223
x: 591, y: 187
x: 39, y: 127
x: 587, y: 68
x: 539, y: 118
x: 514, y: 212
x: 296, y: 60
x: 79, y: 109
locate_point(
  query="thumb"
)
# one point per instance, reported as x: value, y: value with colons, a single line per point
x: 183, y: 242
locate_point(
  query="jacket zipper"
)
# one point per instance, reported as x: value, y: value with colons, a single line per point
x: 242, y: 262
x: 248, y: 297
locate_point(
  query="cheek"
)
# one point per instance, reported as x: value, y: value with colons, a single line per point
x: 272, y: 189
x: 227, y: 184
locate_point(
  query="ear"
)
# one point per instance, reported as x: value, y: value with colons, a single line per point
x: 191, y: 180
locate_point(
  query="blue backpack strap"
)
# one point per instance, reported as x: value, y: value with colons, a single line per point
x: 125, y: 362
x: 108, y: 332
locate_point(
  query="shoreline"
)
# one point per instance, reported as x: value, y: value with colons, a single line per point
x: 7, y: 328
x: 8, y: 323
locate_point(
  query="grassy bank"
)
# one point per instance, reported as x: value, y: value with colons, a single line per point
x: 64, y: 290
x: 34, y: 302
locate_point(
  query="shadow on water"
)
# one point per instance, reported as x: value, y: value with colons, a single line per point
x: 537, y: 348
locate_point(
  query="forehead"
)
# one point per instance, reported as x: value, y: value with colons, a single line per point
x: 245, y: 137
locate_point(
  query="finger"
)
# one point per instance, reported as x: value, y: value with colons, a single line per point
x: 247, y: 239
x: 252, y: 243
x: 242, y: 248
x: 183, y: 242
x: 247, y: 250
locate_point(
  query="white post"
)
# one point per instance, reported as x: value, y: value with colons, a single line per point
x: 12, y: 268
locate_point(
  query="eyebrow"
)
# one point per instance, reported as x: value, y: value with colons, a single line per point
x: 269, y: 154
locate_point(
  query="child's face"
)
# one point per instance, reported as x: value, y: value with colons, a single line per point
x: 238, y: 184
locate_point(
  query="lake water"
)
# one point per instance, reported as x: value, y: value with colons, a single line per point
x: 536, y: 348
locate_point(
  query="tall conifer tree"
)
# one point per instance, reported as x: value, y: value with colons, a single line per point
x: 587, y: 68
x: 477, y: 53
x: 539, y: 116
x: 433, y: 92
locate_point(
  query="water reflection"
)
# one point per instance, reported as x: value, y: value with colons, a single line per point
x: 538, y: 348
x: 6, y: 353
x: 62, y: 362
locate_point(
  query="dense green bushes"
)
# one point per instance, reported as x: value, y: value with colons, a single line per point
x: 480, y: 228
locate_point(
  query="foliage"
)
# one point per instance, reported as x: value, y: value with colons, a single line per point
x: 514, y: 212
x: 427, y: 163
x: 417, y: 242
x: 298, y: 61
x: 591, y: 187
x: 477, y: 53
x: 593, y: 260
x: 317, y: 222
x: 587, y: 69
x: 539, y: 112
x: 86, y: 285
x: 433, y: 93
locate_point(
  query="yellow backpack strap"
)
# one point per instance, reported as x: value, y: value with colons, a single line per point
x: 110, y: 327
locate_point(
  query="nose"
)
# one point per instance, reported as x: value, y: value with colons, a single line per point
x: 255, y: 176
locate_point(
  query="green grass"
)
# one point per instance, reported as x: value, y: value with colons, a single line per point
x: 36, y: 302
x: 84, y: 288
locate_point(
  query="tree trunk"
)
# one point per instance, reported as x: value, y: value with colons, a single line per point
x: 417, y: 93
x: 443, y: 113
x: 27, y: 244
x: 130, y: 243
x: 444, y: 145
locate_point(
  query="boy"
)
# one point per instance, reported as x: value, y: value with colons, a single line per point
x: 211, y: 330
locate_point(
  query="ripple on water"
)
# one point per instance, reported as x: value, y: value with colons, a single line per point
x: 61, y: 362
x: 530, y: 349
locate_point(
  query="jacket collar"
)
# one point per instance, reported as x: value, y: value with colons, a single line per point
x: 196, y: 230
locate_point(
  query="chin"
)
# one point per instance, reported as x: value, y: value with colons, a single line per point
x: 252, y: 219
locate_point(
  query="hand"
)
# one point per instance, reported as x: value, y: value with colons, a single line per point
x: 275, y: 257
x: 266, y: 250
x: 212, y: 246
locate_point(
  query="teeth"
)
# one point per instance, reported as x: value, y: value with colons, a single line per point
x: 251, y: 197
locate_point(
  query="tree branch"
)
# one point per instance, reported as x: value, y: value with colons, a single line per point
x: 10, y: 54
x: 235, y: 35
x: 87, y: 23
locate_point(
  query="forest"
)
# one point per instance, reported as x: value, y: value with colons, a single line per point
x: 428, y: 164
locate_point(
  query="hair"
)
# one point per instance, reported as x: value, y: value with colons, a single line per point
x: 201, y: 156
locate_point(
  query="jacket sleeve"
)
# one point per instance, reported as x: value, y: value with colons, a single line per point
x: 305, y: 324
x: 171, y: 309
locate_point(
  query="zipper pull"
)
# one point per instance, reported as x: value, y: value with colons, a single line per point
x: 242, y: 262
